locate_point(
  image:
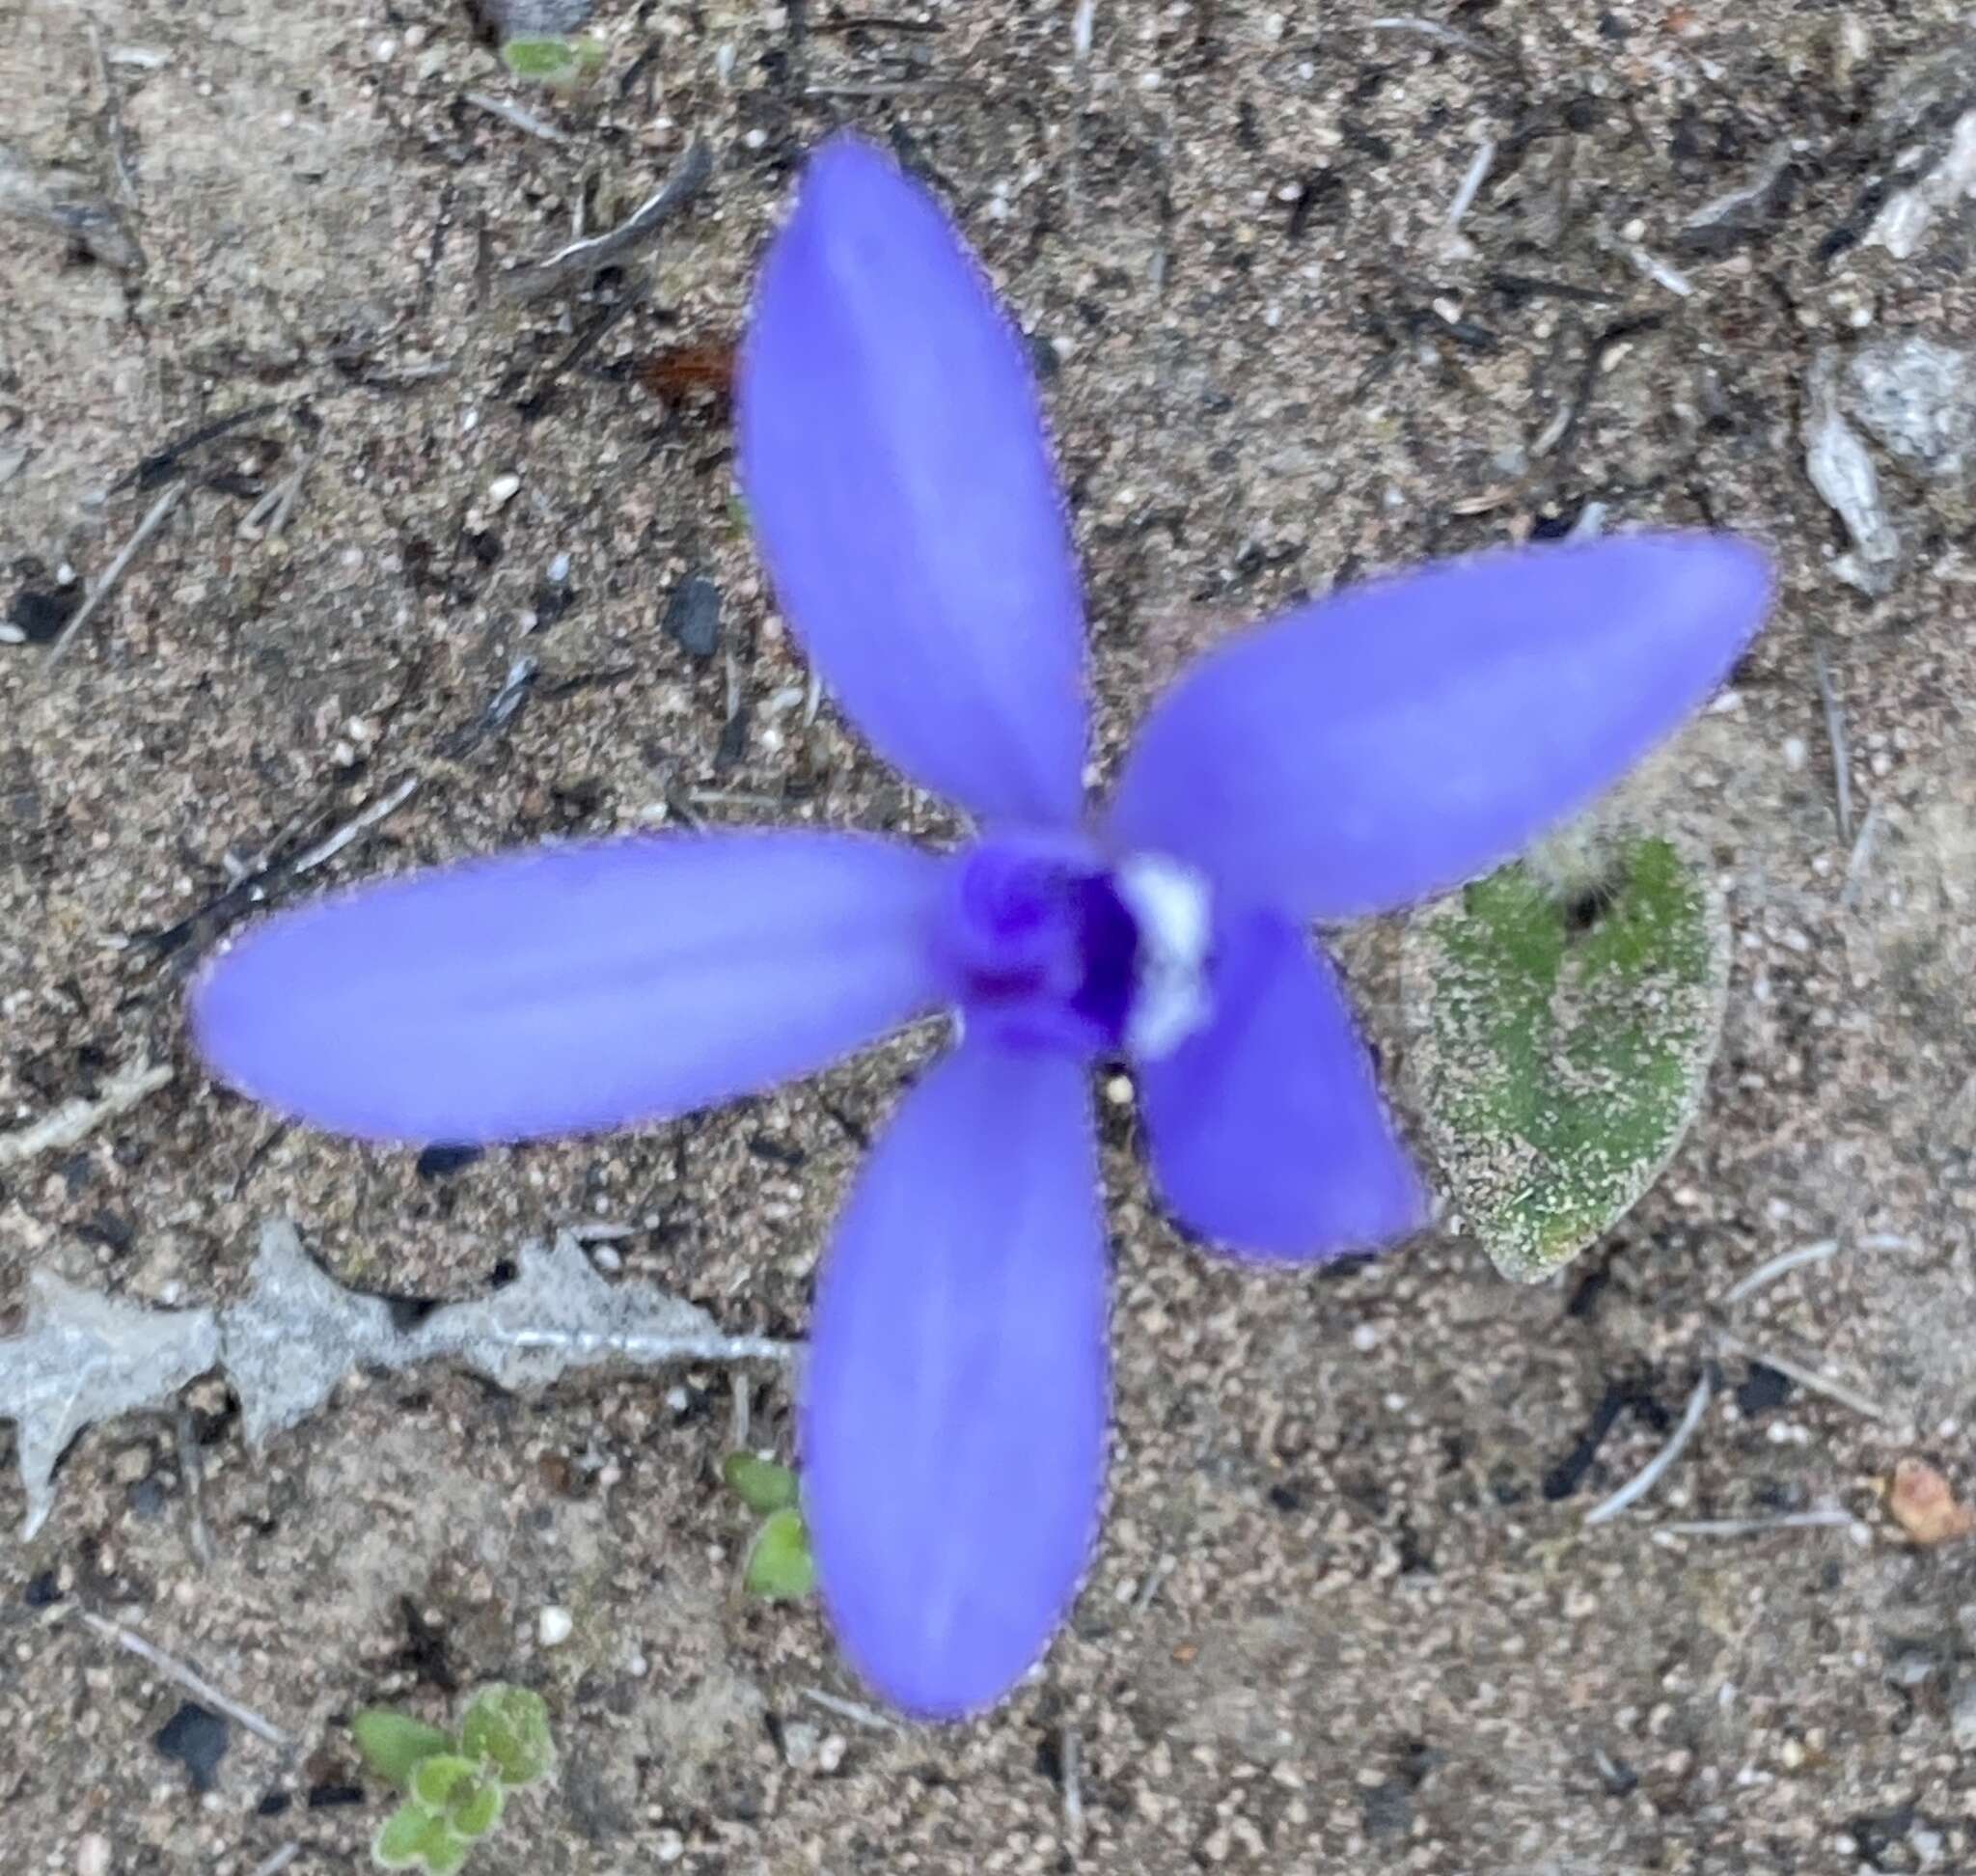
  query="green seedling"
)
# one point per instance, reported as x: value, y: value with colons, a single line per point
x: 455, y: 1787
x: 780, y: 1567
x: 553, y: 59
x: 1562, y: 1015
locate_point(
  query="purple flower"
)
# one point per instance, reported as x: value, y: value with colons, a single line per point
x: 1359, y: 754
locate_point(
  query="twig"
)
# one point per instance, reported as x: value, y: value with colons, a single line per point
x: 289, y: 489
x: 732, y: 798
x: 580, y: 259
x: 279, y: 1861
x: 1785, y: 1260
x: 888, y: 88
x: 1652, y: 267
x: 1070, y: 1754
x: 1835, y: 734
x: 1433, y: 29
x: 1471, y: 183
x: 1806, y: 1377
x: 1644, y: 1482
x: 361, y: 823
x: 1163, y: 1566
x: 1081, y: 23
x: 854, y: 1711
x: 200, y: 1688
x: 160, y: 463
x: 514, y: 114
x: 118, y: 568
x: 740, y: 1389
x: 74, y: 1121
x: 1831, y: 1518
x: 1861, y: 856
x: 274, y: 506
x: 192, y: 1471
x: 113, y: 118
x: 653, y: 1349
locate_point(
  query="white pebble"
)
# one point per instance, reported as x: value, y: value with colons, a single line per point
x: 553, y: 1626
x: 93, y: 1856
x: 503, y: 490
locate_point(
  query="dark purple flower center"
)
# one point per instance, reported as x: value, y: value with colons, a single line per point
x: 1053, y: 949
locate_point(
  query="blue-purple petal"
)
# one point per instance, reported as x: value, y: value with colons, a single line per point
x: 576, y: 988
x: 893, y: 459
x: 1266, y: 1129
x: 1402, y: 737
x: 955, y: 1388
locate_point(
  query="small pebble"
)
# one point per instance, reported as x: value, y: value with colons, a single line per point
x: 693, y: 615
x: 197, y: 1739
x: 503, y: 490
x: 1963, y: 1720
x: 93, y: 1856
x: 553, y: 1626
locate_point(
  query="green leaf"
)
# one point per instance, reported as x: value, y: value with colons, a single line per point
x: 1562, y: 1033
x: 412, y: 1837
x: 761, y: 1484
x: 508, y: 1727
x: 779, y: 1566
x: 446, y: 1854
x: 551, y: 60
x: 435, y: 1780
x: 392, y: 1744
x: 475, y: 1811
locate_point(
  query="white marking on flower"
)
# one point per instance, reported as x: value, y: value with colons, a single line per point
x: 1172, y: 907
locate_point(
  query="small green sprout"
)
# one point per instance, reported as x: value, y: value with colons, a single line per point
x: 780, y: 1567
x: 1563, y: 1013
x: 456, y: 1789
x: 553, y: 59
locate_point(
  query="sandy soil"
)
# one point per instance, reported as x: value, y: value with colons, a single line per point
x: 1346, y: 1614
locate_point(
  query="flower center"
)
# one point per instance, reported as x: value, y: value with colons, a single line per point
x: 1054, y: 949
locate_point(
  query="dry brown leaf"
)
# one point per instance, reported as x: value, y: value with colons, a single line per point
x: 1925, y: 1504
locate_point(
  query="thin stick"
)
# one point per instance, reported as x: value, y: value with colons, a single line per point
x: 274, y: 1864
x: 1835, y: 734
x: 1433, y: 30
x: 113, y: 118
x: 569, y: 265
x: 854, y: 1711
x: 1830, y: 1519
x: 197, y: 1685
x: 1082, y: 25
x: 1776, y: 1267
x: 514, y: 114
x: 1070, y: 1754
x: 1807, y: 1377
x: 108, y: 584
x: 1651, y: 265
x: 739, y: 1399
x: 192, y: 1471
x: 888, y: 88
x: 651, y: 1350
x: 1861, y: 856
x: 1471, y: 183
x: 289, y: 489
x: 365, y: 819
x: 1644, y: 1482
x: 1162, y: 1567
x: 731, y: 798
x: 74, y: 1121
